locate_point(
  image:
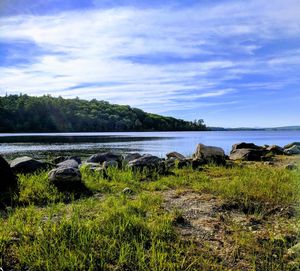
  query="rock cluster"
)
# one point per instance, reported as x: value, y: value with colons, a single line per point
x: 251, y: 152
x: 66, y: 174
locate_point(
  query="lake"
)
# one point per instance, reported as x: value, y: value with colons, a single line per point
x: 157, y: 143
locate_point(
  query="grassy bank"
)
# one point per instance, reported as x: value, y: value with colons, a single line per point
x: 253, y: 222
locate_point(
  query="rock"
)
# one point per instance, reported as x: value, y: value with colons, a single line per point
x: 269, y: 163
x: 274, y: 149
x: 291, y: 145
x: 147, y: 161
x: 184, y: 163
x: 76, y: 158
x: 170, y: 163
x: 295, y: 149
x: 110, y: 164
x: 131, y: 156
x: 106, y: 156
x: 65, y: 178
x: 246, y: 154
x: 197, y: 163
x: 27, y: 164
x: 69, y: 163
x: 244, y: 145
x: 210, y: 154
x: 290, y: 167
x: 127, y: 191
x: 175, y: 155
x: 60, y: 159
x: 8, y: 181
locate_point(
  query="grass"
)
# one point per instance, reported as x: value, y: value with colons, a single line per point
x: 50, y: 230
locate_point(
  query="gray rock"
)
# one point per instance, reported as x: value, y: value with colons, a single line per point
x: 210, y: 154
x: 244, y: 145
x: 69, y: 163
x: 247, y: 154
x: 274, y: 149
x: 131, y: 156
x: 60, y: 159
x: 291, y: 145
x: 197, y: 163
x: 170, y: 163
x: 107, y: 156
x: 64, y: 177
x: 27, y: 164
x: 175, y: 155
x: 110, y: 164
x: 295, y: 149
x: 290, y: 167
x: 147, y: 161
x: 184, y: 163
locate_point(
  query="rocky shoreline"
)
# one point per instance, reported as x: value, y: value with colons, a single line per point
x: 64, y: 172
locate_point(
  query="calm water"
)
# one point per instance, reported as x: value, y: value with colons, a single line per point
x: 157, y: 143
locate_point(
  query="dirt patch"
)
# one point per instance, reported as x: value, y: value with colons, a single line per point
x: 197, y: 215
x: 203, y: 219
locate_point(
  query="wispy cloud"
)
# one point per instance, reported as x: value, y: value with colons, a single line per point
x: 158, y: 58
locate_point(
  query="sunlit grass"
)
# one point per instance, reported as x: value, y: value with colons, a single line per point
x: 114, y: 231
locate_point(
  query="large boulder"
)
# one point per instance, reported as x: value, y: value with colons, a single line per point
x: 131, y: 156
x: 247, y: 154
x: 65, y: 178
x: 209, y: 154
x: 8, y: 180
x: 27, y: 164
x: 274, y: 149
x: 294, y: 149
x: 176, y: 155
x: 106, y: 156
x: 148, y: 162
x: 244, y: 145
x: 291, y: 145
x: 69, y: 163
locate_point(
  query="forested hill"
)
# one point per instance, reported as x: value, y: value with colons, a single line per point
x: 23, y: 113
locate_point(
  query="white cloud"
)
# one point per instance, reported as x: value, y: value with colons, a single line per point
x: 143, y: 57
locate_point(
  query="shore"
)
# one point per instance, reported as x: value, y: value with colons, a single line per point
x: 241, y: 215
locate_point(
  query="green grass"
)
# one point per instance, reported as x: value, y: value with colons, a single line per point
x: 50, y: 230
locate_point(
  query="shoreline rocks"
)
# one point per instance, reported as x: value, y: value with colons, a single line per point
x: 26, y: 164
x: 65, y: 178
x: 209, y: 154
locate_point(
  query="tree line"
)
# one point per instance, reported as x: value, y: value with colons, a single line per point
x: 23, y: 113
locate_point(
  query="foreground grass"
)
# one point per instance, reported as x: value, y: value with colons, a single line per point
x: 50, y: 230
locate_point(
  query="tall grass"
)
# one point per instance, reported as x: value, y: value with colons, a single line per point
x: 133, y: 232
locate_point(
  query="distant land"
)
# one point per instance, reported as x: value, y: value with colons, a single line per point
x: 29, y: 114
x: 283, y: 128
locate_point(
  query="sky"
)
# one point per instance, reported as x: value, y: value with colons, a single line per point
x: 231, y: 63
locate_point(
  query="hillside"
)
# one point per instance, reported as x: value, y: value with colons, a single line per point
x: 23, y: 113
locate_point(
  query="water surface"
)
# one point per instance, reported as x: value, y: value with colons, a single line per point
x: 157, y: 143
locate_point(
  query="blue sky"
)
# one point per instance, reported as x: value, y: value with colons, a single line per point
x: 232, y: 63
